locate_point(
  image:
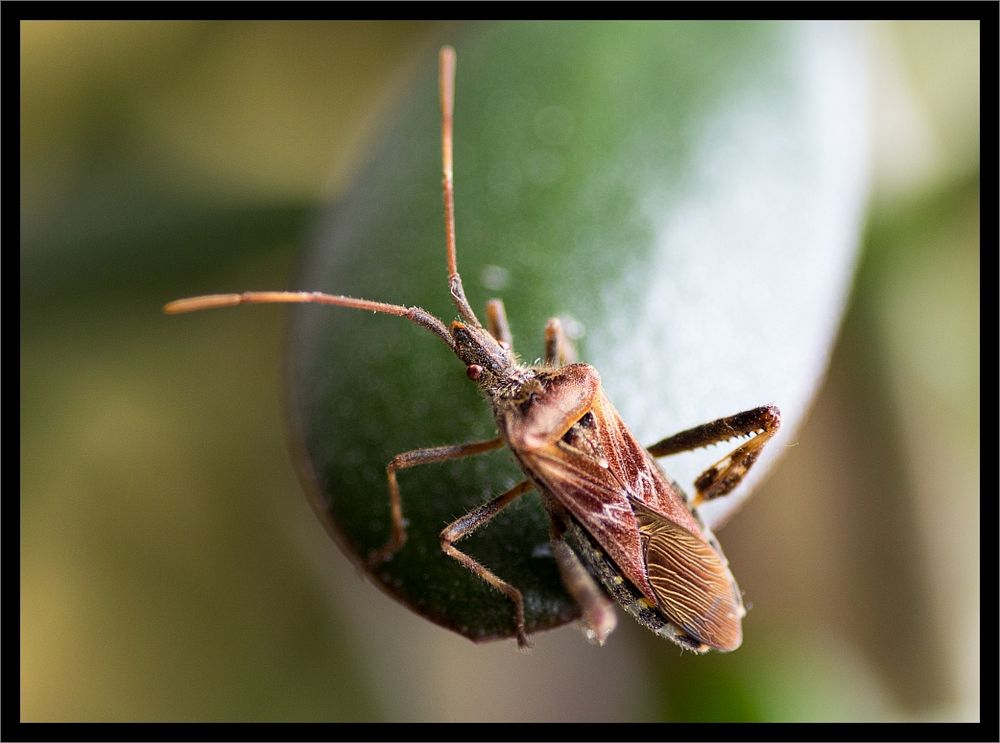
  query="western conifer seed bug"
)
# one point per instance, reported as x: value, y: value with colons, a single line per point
x: 616, y: 520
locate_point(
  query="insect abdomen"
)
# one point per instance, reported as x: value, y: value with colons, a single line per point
x: 625, y: 594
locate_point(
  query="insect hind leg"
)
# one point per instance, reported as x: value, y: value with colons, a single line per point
x: 723, y: 476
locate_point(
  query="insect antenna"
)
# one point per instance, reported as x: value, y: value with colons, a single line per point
x: 446, y: 73
x: 446, y: 76
x: 416, y: 315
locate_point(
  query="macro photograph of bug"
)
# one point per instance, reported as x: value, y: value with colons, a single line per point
x: 632, y: 527
x: 556, y: 299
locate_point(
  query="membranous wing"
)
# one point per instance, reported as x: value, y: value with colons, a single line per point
x: 691, y: 582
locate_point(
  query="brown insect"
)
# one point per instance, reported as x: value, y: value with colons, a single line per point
x: 615, y: 517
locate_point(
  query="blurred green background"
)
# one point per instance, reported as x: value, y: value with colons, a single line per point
x: 171, y: 568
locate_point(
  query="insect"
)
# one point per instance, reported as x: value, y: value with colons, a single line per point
x: 619, y: 527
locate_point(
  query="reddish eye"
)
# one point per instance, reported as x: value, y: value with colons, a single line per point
x: 475, y: 371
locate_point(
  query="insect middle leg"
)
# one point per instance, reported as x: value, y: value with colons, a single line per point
x: 728, y: 472
x: 430, y: 455
x: 464, y: 526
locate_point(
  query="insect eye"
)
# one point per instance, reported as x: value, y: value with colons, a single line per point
x: 474, y: 371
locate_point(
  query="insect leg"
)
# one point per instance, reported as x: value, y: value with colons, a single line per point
x: 413, y: 458
x: 558, y: 348
x: 465, y: 525
x: 726, y: 474
x: 598, y: 613
x: 496, y: 322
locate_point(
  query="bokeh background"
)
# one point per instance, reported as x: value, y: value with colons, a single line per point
x: 171, y: 568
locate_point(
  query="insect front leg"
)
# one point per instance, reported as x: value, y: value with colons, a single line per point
x: 598, y: 612
x: 558, y: 348
x: 496, y: 322
x: 464, y: 526
x: 413, y: 458
x: 728, y: 472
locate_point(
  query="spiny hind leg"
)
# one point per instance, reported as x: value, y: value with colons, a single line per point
x: 430, y: 455
x: 723, y: 476
x: 464, y: 526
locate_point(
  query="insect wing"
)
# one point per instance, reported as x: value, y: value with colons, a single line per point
x: 594, y: 467
x: 596, y: 500
x: 691, y: 582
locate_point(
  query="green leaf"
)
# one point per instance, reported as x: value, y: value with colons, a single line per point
x: 688, y: 195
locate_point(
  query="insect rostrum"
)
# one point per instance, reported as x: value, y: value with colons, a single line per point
x: 619, y: 526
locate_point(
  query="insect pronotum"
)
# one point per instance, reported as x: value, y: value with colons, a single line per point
x: 615, y: 518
